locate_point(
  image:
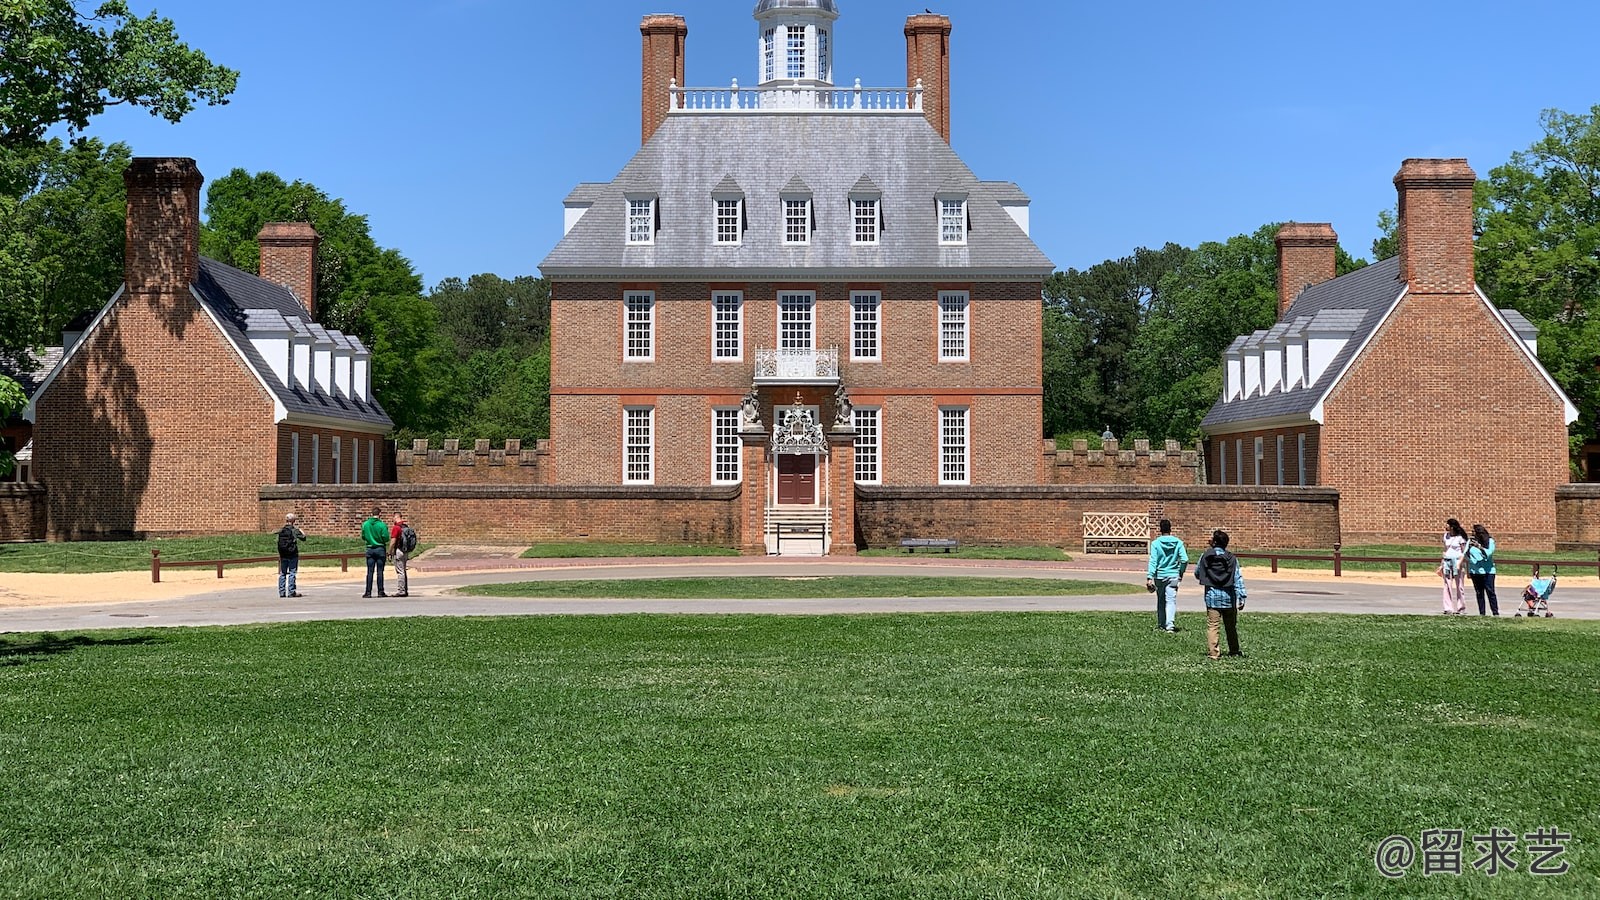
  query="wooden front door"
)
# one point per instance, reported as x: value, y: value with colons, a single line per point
x: 797, y: 479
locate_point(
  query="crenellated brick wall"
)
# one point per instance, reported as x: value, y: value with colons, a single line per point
x: 1170, y: 464
x: 515, y: 514
x: 480, y: 463
x: 1255, y: 518
x: 22, y: 512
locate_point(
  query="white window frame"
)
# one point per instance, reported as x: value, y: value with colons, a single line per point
x: 638, y: 326
x: 1261, y: 451
x: 641, y: 221
x: 866, y: 326
x: 726, y: 326
x: 1302, y: 442
x: 769, y: 42
x: 868, y: 421
x: 722, y: 229
x: 796, y: 231
x: 727, y: 451
x: 952, y: 220
x: 338, y: 446
x: 824, y: 63
x: 954, y: 326
x: 638, y: 459
x: 316, y: 459
x: 1280, y: 460
x: 787, y: 303
x: 1222, y: 462
x: 794, y: 52
x: 1238, y: 461
x: 866, y: 220
x: 372, y: 456
x: 955, y: 445
x: 294, y: 457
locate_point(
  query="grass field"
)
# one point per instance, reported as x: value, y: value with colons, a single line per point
x: 905, y: 756
x: 768, y: 588
x: 132, y: 556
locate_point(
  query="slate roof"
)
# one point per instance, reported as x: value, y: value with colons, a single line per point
x: 29, y: 368
x: 901, y: 155
x: 1352, y: 303
x: 241, y: 300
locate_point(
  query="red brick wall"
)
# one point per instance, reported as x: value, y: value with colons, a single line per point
x: 663, y: 40
x: 928, y: 59
x: 1112, y: 464
x: 23, y: 512
x: 1578, y: 517
x: 348, y: 469
x: 1426, y: 430
x: 514, y: 514
x: 1255, y: 518
x: 1307, y: 254
x: 473, y: 462
x: 289, y: 258
x: 1245, y: 441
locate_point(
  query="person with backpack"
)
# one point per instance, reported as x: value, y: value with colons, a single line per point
x: 404, y: 540
x: 1169, y: 559
x: 289, y: 538
x: 1218, y: 571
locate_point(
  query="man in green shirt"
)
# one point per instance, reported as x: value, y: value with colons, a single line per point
x: 376, y: 534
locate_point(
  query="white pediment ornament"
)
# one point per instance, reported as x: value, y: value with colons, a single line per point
x: 798, y: 432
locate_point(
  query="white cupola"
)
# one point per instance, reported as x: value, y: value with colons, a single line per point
x: 794, y: 42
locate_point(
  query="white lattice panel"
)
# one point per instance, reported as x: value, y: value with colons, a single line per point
x: 1115, y: 532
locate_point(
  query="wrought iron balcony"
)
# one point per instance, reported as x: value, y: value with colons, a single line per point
x: 797, y: 366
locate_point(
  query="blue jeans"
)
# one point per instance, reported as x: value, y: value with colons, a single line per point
x: 287, y: 567
x: 375, y: 564
x: 1166, y: 602
x: 1484, y: 584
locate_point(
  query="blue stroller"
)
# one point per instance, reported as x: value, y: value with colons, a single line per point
x: 1536, y: 597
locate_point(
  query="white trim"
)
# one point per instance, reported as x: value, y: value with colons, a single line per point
x: 811, y: 318
x: 650, y: 445
x: 966, y: 326
x: 627, y: 325
x: 29, y: 411
x: 875, y: 432
x: 876, y: 298
x: 738, y: 334
x: 966, y: 444
x: 737, y: 445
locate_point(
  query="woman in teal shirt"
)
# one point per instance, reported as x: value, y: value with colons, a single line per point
x: 1480, y: 568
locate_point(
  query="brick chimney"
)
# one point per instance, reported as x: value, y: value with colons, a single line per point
x: 1305, y: 257
x: 289, y: 258
x: 1435, y: 229
x: 664, y: 36
x: 163, y: 225
x: 928, y: 58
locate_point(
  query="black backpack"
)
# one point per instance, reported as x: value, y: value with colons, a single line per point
x: 288, y: 544
x: 408, y: 539
x: 1215, y: 570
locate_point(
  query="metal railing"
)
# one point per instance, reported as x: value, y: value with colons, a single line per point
x: 797, y: 365
x: 156, y: 565
x: 822, y: 98
x: 1338, y: 558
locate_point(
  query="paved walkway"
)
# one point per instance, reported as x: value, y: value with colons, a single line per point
x: 432, y: 584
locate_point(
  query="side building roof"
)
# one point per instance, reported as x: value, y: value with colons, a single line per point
x: 692, y: 157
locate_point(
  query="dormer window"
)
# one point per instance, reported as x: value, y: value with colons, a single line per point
x: 797, y: 212
x: 728, y: 202
x: 953, y: 219
x: 641, y: 219
x: 865, y: 216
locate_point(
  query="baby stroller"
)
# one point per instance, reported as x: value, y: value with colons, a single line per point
x: 1536, y: 597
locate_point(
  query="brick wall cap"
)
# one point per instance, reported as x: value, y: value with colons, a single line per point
x: 160, y: 168
x: 1442, y: 172
x: 288, y: 232
x: 670, y: 23
x: 927, y: 22
x: 1311, y: 234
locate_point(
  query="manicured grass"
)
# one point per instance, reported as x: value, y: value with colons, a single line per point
x: 133, y: 556
x: 764, y: 588
x: 903, y: 756
x: 605, y: 549
x: 1353, y: 563
x: 1030, y: 553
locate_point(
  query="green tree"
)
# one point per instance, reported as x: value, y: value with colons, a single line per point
x: 11, y: 402
x: 486, y: 312
x: 64, y: 63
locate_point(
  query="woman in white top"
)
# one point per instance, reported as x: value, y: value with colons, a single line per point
x: 1453, y: 567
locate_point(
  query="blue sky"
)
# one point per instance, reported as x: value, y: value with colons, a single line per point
x: 457, y: 126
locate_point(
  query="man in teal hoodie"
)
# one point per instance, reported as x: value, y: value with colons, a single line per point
x: 1169, y: 559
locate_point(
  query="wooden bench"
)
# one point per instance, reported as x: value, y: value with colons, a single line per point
x: 945, y: 544
x: 799, y: 531
x: 1116, y: 532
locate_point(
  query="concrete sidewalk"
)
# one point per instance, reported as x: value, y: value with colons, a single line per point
x: 432, y: 595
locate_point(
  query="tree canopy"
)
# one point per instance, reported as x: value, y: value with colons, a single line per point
x: 63, y: 63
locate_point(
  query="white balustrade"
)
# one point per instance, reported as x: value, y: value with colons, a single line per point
x: 793, y: 98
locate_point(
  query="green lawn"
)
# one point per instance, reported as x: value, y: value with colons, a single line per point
x: 968, y: 552
x: 807, y: 586
x: 133, y: 556
x: 556, y: 550
x: 904, y: 756
x: 1353, y: 563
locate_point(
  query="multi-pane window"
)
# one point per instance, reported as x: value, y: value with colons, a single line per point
x: 729, y: 221
x: 1301, y: 441
x: 641, y: 220
x: 864, y: 325
x: 824, y: 70
x: 336, y: 448
x: 640, y: 312
x: 768, y: 39
x: 867, y: 420
x: 796, y: 325
x: 952, y: 220
x: 725, y: 445
x: 953, y: 445
x: 1238, y: 461
x: 1260, y: 452
x: 1280, y: 459
x: 796, y: 221
x: 294, y: 457
x: 953, y: 325
x: 865, y: 216
x: 316, y: 459
x: 727, y: 326
x: 795, y: 52
x: 638, y: 445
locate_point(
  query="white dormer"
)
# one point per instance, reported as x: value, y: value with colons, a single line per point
x: 270, y: 334
x: 299, y: 354
x: 1018, y: 211
x: 1252, y: 365
x: 321, y: 360
x: 1272, y: 361
x: 794, y: 42
x: 1294, y: 355
x: 360, y: 369
x: 1233, y: 384
x: 341, y: 363
x: 1326, y: 337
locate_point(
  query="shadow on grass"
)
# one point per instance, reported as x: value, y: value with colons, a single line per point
x: 38, y: 648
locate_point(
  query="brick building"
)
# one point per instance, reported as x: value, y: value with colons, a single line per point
x: 198, y: 383
x: 1399, y: 384
x: 797, y: 288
